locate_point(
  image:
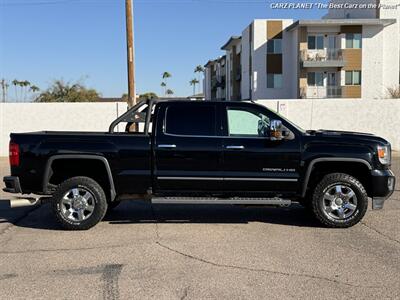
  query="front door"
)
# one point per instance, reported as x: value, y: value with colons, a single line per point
x: 188, y: 148
x: 253, y: 162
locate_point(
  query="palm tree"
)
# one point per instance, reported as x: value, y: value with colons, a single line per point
x: 165, y: 76
x: 164, y: 87
x: 199, y: 69
x: 15, y: 82
x: 170, y: 92
x: 24, y: 86
x: 34, y: 89
x: 193, y: 82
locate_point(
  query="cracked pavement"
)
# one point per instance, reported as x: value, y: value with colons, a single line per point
x: 141, y: 251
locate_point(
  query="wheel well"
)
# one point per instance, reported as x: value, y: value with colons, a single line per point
x: 62, y: 169
x: 356, y: 169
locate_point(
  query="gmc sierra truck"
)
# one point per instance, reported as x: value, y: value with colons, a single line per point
x: 202, y: 152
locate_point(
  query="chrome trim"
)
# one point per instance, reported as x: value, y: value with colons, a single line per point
x: 189, y: 178
x: 228, y: 178
x: 166, y: 146
x: 235, y: 147
x: 217, y: 136
x: 260, y: 179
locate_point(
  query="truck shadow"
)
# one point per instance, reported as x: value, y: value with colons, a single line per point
x: 141, y: 212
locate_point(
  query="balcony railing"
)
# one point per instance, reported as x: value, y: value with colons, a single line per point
x: 322, y: 58
x: 321, y: 92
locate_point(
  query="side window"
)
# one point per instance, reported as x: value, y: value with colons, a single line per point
x: 191, y: 119
x: 242, y: 122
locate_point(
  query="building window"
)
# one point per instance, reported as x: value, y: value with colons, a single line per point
x: 315, y: 42
x: 353, y: 77
x: 315, y: 79
x: 353, y: 41
x: 274, y: 46
x: 274, y: 81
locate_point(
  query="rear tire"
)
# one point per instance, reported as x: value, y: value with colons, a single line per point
x: 339, y: 201
x: 79, y: 203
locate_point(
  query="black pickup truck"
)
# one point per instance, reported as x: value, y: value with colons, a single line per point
x: 202, y: 152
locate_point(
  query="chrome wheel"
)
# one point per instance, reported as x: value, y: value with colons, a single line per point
x: 77, y: 205
x: 339, y: 202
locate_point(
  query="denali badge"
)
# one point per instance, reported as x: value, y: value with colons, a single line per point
x: 278, y: 170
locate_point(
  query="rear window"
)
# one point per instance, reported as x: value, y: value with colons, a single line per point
x: 191, y: 119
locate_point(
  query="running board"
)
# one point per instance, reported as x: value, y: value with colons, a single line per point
x: 211, y: 200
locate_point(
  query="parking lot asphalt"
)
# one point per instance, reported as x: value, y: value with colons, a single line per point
x: 140, y: 251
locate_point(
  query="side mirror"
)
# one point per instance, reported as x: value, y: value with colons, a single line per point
x: 276, y: 129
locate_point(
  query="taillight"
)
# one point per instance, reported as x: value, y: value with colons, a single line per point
x: 14, y: 154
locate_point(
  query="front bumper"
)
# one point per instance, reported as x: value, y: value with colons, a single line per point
x: 12, y: 185
x: 383, y: 184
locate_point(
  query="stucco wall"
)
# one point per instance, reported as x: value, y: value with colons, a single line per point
x: 27, y: 117
x: 380, y: 117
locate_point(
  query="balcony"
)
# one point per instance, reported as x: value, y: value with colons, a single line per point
x: 217, y: 82
x: 321, y: 92
x: 322, y: 58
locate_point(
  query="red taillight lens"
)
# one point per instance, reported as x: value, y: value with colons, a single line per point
x: 14, y: 154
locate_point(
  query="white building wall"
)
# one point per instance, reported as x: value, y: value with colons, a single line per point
x: 260, y: 60
x: 244, y: 59
x: 393, y: 33
x: 372, y: 62
x: 391, y: 61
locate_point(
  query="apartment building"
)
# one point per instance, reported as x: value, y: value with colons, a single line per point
x: 215, y: 79
x: 233, y: 75
x: 353, y: 57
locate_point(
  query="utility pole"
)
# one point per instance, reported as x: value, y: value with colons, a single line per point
x: 130, y: 53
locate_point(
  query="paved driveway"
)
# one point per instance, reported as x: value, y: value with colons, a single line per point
x: 187, y: 252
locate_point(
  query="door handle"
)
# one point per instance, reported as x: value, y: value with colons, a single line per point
x: 235, y: 147
x: 165, y: 146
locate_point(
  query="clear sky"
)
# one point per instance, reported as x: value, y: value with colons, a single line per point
x: 42, y: 40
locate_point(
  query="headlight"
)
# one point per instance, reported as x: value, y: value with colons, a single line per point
x: 384, y: 155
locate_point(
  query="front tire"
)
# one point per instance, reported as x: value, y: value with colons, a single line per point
x: 339, y: 201
x: 79, y: 203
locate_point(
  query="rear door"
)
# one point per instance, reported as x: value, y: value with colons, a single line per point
x: 188, y: 147
x: 252, y: 162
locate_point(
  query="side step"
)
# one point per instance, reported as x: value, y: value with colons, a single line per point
x: 211, y: 200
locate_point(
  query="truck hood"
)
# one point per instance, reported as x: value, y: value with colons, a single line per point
x: 363, y: 138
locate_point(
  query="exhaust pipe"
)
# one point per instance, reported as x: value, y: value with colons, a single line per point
x: 23, y: 202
